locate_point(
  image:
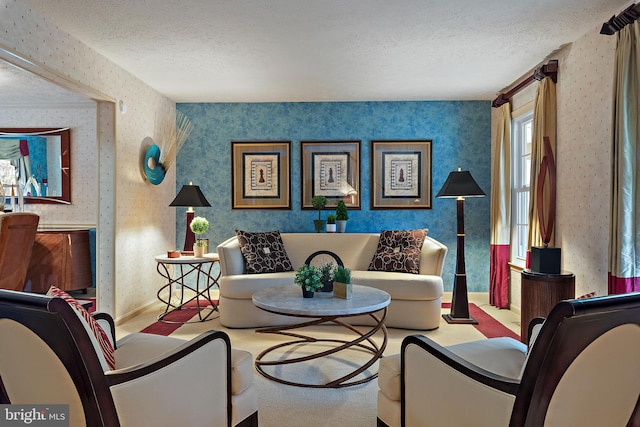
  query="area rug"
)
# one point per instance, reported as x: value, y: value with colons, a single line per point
x: 487, y: 325
x: 282, y: 405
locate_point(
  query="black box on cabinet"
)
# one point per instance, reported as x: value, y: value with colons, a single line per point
x: 545, y: 260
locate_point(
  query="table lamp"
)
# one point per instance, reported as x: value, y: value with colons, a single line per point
x: 460, y: 184
x: 190, y: 196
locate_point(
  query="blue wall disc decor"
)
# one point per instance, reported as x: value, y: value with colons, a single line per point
x: 153, y: 170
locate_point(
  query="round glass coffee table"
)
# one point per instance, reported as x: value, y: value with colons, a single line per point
x: 323, y: 308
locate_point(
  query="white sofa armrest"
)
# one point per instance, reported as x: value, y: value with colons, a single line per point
x: 231, y: 259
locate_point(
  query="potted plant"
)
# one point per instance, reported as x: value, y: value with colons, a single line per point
x: 199, y: 225
x: 331, y: 223
x: 327, y: 277
x: 319, y: 202
x: 309, y: 278
x: 342, y: 282
x: 341, y: 216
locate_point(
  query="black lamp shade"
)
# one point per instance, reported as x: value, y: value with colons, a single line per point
x: 460, y: 184
x: 190, y: 195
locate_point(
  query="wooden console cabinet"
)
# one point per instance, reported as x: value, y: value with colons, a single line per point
x: 540, y: 293
x: 61, y: 258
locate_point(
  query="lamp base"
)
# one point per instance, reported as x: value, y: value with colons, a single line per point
x: 459, y: 320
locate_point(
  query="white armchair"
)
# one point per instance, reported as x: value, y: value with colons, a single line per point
x: 157, y: 380
x: 583, y: 369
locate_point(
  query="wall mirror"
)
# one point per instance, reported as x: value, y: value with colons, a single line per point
x: 37, y: 162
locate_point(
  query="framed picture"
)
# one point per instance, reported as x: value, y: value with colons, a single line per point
x: 401, y: 174
x: 260, y: 175
x: 331, y: 169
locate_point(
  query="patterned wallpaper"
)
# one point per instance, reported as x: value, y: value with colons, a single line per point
x: 129, y: 211
x: 460, y: 132
x: 584, y: 159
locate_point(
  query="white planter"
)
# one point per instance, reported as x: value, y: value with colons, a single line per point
x: 331, y: 228
x: 198, y: 251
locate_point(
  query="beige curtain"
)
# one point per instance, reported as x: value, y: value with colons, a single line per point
x: 624, y: 240
x: 501, y: 210
x: 544, y: 124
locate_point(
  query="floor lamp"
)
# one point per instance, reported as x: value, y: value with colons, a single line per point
x: 190, y: 196
x: 460, y: 184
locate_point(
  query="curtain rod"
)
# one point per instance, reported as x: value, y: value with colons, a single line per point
x: 616, y: 23
x: 550, y: 69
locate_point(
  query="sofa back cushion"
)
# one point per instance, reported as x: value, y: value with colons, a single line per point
x: 398, y: 250
x: 263, y: 252
x: 354, y: 249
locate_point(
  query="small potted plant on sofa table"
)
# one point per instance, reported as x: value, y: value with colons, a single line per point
x: 342, y: 216
x: 199, y: 225
x: 342, y: 282
x: 331, y: 223
x: 309, y: 278
x: 319, y: 202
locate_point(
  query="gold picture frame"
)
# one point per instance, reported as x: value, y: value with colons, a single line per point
x: 261, y: 174
x: 401, y: 174
x: 330, y: 169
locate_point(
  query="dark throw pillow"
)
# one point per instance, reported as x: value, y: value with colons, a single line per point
x: 263, y: 252
x: 398, y: 250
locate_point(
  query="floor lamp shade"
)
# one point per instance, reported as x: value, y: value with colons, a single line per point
x: 190, y: 196
x: 460, y: 184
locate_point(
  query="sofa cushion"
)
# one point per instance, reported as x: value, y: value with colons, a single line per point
x: 263, y: 252
x: 100, y: 340
x: 389, y: 376
x: 502, y: 356
x: 398, y: 250
x: 401, y: 286
x: 241, y: 286
x: 241, y: 370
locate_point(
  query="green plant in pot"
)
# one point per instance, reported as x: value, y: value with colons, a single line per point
x: 342, y: 282
x: 319, y: 202
x: 309, y: 278
x: 342, y: 216
x: 327, y: 277
x: 331, y: 223
x: 199, y: 225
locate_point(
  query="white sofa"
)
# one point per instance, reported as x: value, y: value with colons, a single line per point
x: 415, y: 298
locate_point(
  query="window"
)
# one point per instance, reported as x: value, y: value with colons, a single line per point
x: 522, y: 128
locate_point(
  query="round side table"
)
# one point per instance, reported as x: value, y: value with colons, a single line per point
x: 204, y: 281
x: 540, y: 293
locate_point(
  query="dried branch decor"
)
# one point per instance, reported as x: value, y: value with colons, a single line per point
x: 158, y: 159
x: 175, y: 134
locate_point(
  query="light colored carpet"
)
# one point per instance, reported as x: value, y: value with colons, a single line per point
x: 287, y: 406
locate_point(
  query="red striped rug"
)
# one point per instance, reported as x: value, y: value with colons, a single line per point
x: 487, y: 325
x: 164, y: 328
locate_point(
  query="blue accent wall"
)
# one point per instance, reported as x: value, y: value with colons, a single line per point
x: 461, y: 135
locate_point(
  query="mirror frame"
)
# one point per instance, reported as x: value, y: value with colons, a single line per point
x: 65, y: 162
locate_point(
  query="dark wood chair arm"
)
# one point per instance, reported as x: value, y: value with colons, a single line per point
x: 107, y: 317
x: 498, y: 382
x: 532, y: 324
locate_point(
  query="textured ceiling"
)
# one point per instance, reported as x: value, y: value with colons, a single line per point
x: 327, y: 50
